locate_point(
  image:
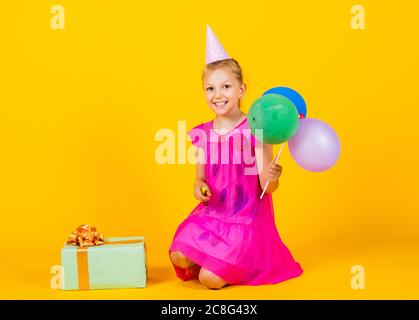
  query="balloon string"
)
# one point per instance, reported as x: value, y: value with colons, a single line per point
x: 276, y: 160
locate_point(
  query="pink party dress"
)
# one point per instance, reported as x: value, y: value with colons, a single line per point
x: 234, y: 236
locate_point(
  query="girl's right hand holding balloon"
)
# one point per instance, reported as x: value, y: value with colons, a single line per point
x: 201, y: 191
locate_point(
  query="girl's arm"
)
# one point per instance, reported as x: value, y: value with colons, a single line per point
x: 268, y: 170
x: 200, y: 172
x: 200, y: 183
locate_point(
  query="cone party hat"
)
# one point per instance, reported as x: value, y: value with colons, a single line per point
x: 214, y: 49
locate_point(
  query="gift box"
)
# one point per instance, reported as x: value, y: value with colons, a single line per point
x: 91, y: 261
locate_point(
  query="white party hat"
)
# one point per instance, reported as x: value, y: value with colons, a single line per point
x: 214, y: 50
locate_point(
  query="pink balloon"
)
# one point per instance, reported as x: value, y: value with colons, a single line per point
x: 315, y: 146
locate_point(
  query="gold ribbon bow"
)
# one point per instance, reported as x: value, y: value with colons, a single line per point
x: 84, y: 237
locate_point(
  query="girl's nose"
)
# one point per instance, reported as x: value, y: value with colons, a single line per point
x: 218, y: 93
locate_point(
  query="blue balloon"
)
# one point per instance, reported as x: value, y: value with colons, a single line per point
x: 294, y: 96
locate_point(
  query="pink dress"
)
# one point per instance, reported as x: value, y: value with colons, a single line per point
x: 234, y: 235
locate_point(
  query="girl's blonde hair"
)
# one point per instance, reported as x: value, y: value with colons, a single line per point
x: 230, y: 64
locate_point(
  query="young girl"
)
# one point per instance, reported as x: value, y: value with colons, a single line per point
x: 231, y: 237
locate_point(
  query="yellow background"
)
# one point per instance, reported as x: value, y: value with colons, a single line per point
x: 80, y: 108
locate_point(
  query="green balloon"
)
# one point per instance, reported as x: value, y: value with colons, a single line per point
x: 276, y: 115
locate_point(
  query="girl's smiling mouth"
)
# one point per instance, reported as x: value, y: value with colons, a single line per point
x: 220, y: 104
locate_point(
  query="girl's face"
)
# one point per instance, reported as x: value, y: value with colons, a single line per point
x: 222, y: 91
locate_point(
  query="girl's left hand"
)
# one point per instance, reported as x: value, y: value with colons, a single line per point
x: 273, y: 171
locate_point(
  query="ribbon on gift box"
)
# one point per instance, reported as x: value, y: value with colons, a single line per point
x: 84, y: 237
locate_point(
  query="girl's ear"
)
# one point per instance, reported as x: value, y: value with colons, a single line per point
x: 243, y: 89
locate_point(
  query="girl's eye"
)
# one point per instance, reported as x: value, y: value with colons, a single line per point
x: 227, y: 86
x: 209, y: 89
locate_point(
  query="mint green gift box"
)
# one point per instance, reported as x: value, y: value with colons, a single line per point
x: 108, y: 266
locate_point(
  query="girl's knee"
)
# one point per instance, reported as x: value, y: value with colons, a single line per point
x: 180, y: 260
x: 210, y: 280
